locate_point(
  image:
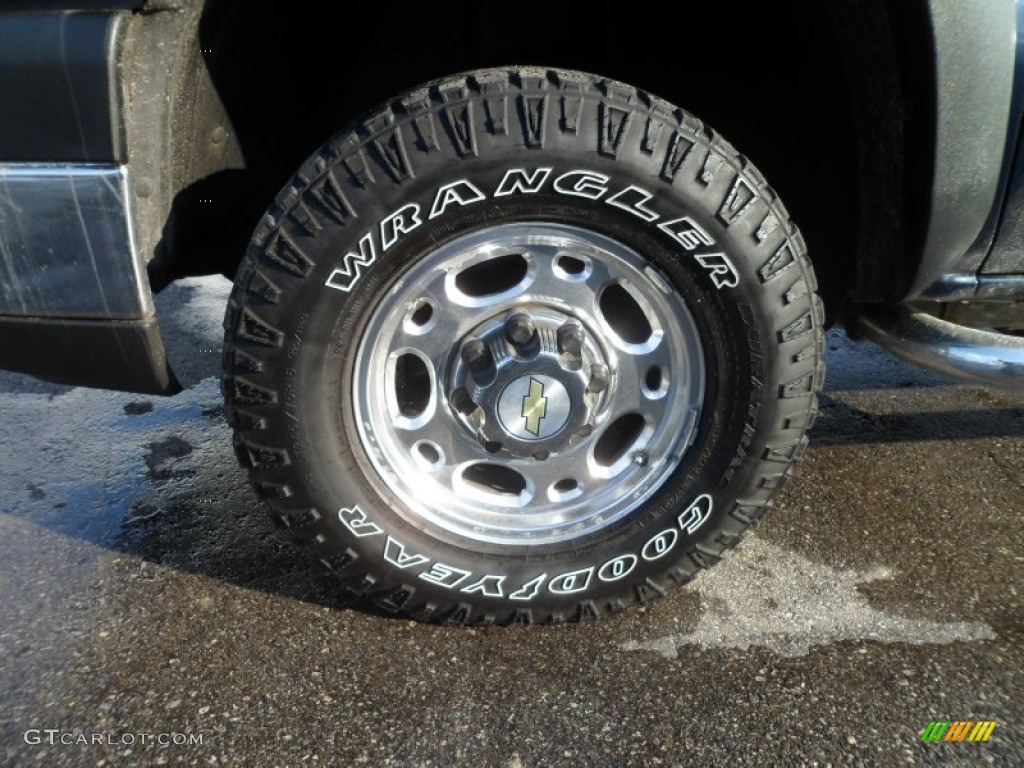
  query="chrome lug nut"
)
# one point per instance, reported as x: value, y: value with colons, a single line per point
x: 570, y: 345
x: 521, y: 332
x: 461, y: 401
x: 477, y: 355
x: 598, y: 378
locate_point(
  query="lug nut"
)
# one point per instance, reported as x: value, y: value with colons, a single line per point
x: 519, y: 328
x: 598, y: 378
x: 570, y: 345
x: 477, y: 356
x: 521, y: 332
x: 461, y: 401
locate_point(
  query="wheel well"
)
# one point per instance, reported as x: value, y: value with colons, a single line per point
x: 771, y: 79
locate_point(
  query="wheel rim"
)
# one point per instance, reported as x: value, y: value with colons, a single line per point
x: 527, y: 384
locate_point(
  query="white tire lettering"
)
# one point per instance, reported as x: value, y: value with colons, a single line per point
x: 517, y: 180
x: 589, y: 185
x: 660, y: 544
x: 394, y: 553
x: 530, y: 589
x: 355, y: 520
x: 352, y: 264
x: 461, y: 192
x: 686, y: 232
x: 579, y: 183
x: 617, y: 568
x: 635, y: 206
x: 696, y: 514
x: 445, y: 575
x: 723, y: 273
x: 488, y: 586
x: 396, y: 224
x: 573, y: 581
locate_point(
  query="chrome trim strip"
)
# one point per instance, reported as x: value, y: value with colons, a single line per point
x: 976, y: 288
x: 67, y: 243
x: 967, y: 354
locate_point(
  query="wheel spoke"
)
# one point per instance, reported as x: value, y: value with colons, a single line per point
x: 630, y: 393
x: 570, y: 465
x: 434, y: 338
x: 577, y: 292
x: 441, y: 432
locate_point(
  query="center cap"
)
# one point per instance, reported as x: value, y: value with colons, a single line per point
x: 534, y: 407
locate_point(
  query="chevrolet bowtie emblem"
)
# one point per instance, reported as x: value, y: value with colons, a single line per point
x: 535, y: 406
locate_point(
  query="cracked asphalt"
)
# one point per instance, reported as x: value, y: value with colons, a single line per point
x: 145, y: 593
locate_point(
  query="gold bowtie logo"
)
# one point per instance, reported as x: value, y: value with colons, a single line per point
x: 535, y: 407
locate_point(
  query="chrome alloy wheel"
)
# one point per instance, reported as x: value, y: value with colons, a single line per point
x: 527, y: 384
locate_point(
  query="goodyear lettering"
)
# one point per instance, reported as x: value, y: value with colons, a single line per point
x: 445, y: 575
x: 357, y: 523
x: 394, y: 553
x: 488, y: 586
x: 696, y: 514
x: 493, y: 585
x: 617, y: 568
x: 660, y: 544
x: 573, y: 581
x: 530, y: 589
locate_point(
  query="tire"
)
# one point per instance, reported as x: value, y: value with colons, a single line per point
x: 612, y: 224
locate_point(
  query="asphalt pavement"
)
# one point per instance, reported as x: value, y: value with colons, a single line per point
x: 150, y: 614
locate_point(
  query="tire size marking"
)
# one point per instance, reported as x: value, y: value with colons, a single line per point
x: 591, y: 185
x: 493, y: 585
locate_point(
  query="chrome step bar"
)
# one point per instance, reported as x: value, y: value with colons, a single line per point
x: 966, y: 354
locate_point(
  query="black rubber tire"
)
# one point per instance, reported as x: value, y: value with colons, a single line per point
x: 290, y: 338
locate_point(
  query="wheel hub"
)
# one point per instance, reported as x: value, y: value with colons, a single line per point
x: 529, y: 383
x: 534, y: 407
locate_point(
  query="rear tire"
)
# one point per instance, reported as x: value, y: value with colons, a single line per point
x: 665, y: 354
